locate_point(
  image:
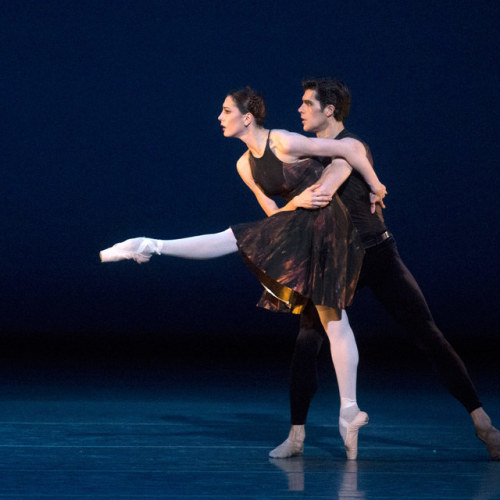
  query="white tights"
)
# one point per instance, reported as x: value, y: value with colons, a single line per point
x: 343, y: 347
x: 206, y: 246
x: 344, y: 352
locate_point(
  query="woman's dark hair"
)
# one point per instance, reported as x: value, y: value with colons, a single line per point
x: 249, y: 101
x: 331, y: 91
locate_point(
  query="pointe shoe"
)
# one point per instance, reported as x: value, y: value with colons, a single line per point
x: 287, y: 449
x: 138, y: 249
x: 491, y: 438
x: 349, y: 432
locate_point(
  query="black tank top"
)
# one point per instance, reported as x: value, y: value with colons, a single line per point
x: 355, y: 194
x: 267, y: 172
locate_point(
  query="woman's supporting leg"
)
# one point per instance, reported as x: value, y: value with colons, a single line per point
x: 345, y: 358
x: 206, y: 246
x: 344, y: 351
x: 344, y: 354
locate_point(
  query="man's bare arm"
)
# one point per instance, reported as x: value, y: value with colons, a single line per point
x: 334, y: 175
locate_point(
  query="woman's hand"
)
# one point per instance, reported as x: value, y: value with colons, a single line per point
x: 312, y: 198
x: 377, y: 196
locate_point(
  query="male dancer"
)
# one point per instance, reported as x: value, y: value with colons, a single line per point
x: 325, y: 104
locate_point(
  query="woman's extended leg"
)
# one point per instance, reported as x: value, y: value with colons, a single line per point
x: 206, y: 246
x: 345, y: 357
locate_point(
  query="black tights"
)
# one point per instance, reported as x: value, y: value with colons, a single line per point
x: 394, y: 286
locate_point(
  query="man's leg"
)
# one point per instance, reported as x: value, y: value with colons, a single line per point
x: 303, y: 381
x: 304, y: 368
x: 395, y: 287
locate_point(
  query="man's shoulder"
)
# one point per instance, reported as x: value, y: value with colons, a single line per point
x: 348, y: 134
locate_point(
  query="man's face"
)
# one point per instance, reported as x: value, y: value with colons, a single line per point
x: 313, y: 118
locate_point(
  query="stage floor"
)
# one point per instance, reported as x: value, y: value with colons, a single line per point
x: 205, y: 432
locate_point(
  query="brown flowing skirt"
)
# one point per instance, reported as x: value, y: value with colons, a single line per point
x: 303, y: 255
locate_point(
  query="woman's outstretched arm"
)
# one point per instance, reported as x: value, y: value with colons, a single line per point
x: 206, y: 246
x: 352, y: 150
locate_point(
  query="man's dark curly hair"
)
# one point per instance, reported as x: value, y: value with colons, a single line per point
x: 331, y: 91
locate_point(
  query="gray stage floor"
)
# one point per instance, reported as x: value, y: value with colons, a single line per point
x: 206, y: 433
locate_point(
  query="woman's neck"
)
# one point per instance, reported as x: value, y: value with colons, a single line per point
x: 255, y: 138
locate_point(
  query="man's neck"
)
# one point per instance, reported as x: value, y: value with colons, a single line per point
x: 331, y: 130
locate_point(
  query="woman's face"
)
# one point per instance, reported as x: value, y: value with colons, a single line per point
x: 231, y: 119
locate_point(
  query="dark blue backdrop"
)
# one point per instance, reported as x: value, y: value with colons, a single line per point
x: 110, y: 131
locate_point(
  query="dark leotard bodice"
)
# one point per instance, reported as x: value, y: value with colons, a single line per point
x: 277, y: 178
